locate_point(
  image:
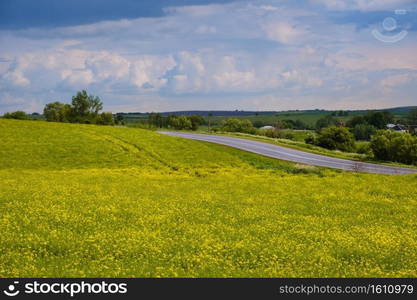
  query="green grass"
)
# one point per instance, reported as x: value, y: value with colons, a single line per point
x: 90, y: 201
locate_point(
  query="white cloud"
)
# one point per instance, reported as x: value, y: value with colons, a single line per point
x: 393, y: 82
x: 208, y: 52
x: 284, y: 32
x: 364, y: 5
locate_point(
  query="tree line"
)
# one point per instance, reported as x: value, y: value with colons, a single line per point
x: 84, y: 108
x: 175, y: 122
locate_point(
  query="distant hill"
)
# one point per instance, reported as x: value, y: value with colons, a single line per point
x: 231, y: 113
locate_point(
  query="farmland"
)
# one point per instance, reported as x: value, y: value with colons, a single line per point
x: 97, y: 201
x: 309, y: 117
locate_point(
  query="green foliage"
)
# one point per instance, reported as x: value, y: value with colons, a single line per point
x: 157, y: 120
x: 84, y: 108
x: 327, y: 121
x: 412, y: 117
x: 57, y: 112
x: 271, y: 133
x: 175, y: 122
x: 181, y: 123
x: 105, y: 118
x: 196, y: 121
x: 364, y: 148
x: 18, y: 115
x: 395, y: 146
x: 237, y: 125
x: 311, y: 139
x: 363, y: 132
x: 84, y: 105
x: 336, y: 138
x: 377, y: 119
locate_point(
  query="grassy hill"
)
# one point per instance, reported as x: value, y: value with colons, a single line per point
x: 84, y: 200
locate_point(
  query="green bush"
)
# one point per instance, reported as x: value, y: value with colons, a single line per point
x: 326, y: 122
x: 271, y: 133
x: 336, y: 138
x: 236, y: 125
x: 364, y: 148
x: 181, y: 123
x: 363, y: 132
x: 311, y: 139
x: 394, y: 146
x: 57, y: 112
x: 105, y: 118
x: 18, y: 115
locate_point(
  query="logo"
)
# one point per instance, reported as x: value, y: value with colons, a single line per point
x: 390, y: 26
x: 11, y: 290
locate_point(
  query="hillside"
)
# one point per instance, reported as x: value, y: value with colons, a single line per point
x: 84, y: 200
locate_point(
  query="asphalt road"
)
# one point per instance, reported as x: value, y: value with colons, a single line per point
x: 289, y: 154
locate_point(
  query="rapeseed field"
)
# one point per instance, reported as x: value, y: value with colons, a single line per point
x: 95, y: 201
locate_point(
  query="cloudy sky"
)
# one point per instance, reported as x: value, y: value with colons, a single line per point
x: 171, y: 55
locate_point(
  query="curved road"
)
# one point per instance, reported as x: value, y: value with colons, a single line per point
x: 289, y: 154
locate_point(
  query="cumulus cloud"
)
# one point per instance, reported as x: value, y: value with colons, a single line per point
x: 266, y: 49
x: 364, y: 5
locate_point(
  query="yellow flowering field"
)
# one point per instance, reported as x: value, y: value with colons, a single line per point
x: 95, y: 201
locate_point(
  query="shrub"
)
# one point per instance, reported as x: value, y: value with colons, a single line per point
x: 326, y: 122
x: 236, y: 125
x: 394, y: 146
x: 363, y: 132
x: 364, y: 148
x: 311, y: 139
x: 181, y: 123
x: 57, y: 112
x: 18, y: 115
x: 289, y: 136
x: 336, y: 138
x: 105, y: 118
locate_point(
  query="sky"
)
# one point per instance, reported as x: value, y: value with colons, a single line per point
x: 171, y: 55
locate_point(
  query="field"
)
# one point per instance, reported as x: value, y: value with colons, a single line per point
x: 308, y: 117
x: 91, y: 201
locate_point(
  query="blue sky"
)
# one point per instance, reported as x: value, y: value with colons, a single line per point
x: 205, y: 54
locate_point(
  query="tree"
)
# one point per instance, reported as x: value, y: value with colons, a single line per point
x: 363, y: 132
x: 85, y: 105
x: 412, y: 117
x: 105, y: 118
x: 356, y: 120
x: 236, y: 125
x: 156, y: 119
x: 336, y: 138
x: 119, y: 119
x: 209, y: 121
x: 394, y: 146
x: 379, y: 119
x: 181, y: 123
x: 57, y: 112
x: 84, y: 108
x: 196, y: 121
x: 18, y: 115
x: 326, y: 122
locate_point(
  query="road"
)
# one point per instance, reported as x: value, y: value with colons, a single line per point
x: 292, y: 155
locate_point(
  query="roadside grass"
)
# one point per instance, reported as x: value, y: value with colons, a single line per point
x: 91, y: 201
